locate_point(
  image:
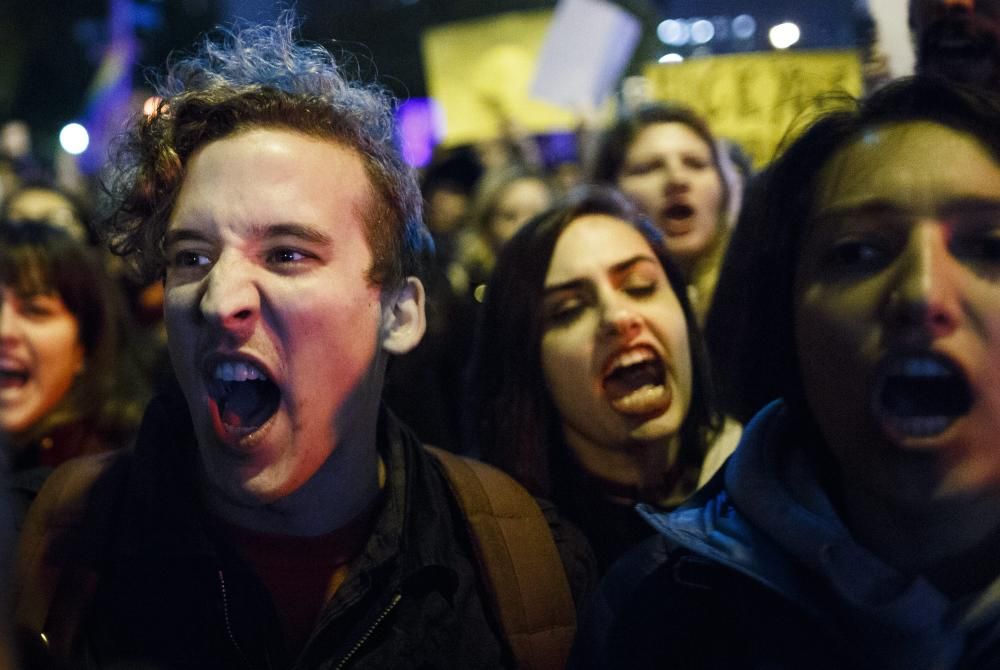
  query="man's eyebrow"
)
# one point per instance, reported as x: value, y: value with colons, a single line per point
x: 305, y: 233
x: 183, y: 235
x: 260, y: 231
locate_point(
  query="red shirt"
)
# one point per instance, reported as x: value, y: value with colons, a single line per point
x: 303, y: 573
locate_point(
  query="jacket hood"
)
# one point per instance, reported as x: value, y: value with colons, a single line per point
x: 767, y: 515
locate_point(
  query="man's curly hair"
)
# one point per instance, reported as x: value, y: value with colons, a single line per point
x: 260, y: 77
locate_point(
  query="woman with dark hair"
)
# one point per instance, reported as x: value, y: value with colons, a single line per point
x: 66, y: 385
x: 666, y: 158
x: 858, y: 523
x: 589, y: 384
x: 40, y: 200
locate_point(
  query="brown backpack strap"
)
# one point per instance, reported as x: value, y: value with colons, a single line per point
x: 519, y: 561
x: 51, y: 587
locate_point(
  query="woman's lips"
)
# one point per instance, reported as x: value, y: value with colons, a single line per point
x: 919, y: 395
x: 649, y: 399
x: 677, y: 219
x: 635, y: 382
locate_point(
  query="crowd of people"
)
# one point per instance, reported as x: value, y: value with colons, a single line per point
x: 281, y: 402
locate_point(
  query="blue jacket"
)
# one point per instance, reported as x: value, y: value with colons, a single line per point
x: 758, y: 571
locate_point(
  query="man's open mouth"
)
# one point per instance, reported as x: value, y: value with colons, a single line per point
x: 244, y: 396
x: 635, y: 382
x: 920, y: 395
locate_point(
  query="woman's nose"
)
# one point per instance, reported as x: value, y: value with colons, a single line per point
x: 10, y: 323
x: 926, y: 295
x: 622, y: 321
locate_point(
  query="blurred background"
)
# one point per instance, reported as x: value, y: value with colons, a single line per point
x: 469, y: 68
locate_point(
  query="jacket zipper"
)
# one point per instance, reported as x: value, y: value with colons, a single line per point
x: 229, y: 628
x: 368, y: 633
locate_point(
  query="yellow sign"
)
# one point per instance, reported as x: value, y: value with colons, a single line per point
x: 755, y: 98
x: 481, y: 72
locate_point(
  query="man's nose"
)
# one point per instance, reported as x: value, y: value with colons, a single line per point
x: 926, y: 296
x: 231, y: 298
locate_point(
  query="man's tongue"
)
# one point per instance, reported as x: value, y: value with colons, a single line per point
x: 246, y: 405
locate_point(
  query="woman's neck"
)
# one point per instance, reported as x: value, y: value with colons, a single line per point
x: 953, y: 543
x: 636, y: 472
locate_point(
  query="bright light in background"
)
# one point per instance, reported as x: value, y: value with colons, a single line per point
x: 673, y: 32
x: 671, y: 58
x: 702, y: 31
x: 744, y: 27
x: 420, y: 124
x: 151, y: 104
x: 784, y: 35
x: 74, y: 138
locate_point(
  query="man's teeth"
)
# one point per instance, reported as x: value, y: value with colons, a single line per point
x: 238, y: 372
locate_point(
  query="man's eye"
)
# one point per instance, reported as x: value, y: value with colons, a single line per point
x: 189, y: 259
x: 285, y: 256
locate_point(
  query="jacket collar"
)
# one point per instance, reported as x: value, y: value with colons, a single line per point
x: 165, y: 513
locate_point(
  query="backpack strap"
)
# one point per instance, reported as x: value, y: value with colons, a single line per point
x: 52, y: 585
x: 518, y: 560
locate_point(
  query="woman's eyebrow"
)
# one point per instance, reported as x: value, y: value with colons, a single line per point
x: 870, y: 208
x: 570, y: 285
x: 629, y: 263
x: 971, y: 205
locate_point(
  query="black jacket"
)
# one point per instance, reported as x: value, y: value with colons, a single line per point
x: 171, y: 594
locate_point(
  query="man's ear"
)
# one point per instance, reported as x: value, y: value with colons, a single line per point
x: 403, y: 318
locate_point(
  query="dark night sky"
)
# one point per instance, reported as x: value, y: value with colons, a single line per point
x: 50, y: 48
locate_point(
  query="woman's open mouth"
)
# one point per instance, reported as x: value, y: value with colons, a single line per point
x: 13, y: 379
x: 678, y: 219
x: 919, y: 396
x: 635, y: 382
